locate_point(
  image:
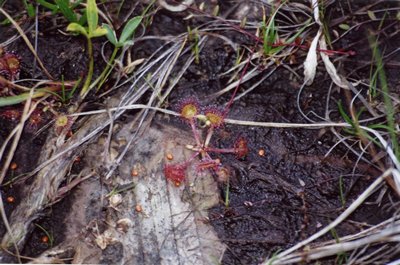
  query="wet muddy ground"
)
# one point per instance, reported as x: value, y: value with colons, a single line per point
x: 291, y: 183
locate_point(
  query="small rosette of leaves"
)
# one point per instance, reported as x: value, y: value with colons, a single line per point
x: 93, y: 29
x: 10, y: 65
x: 175, y: 173
x: 127, y: 32
x: 214, y: 117
x: 240, y: 147
x: 189, y: 109
x: 63, y: 123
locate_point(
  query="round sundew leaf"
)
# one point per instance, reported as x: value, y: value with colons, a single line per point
x: 215, y: 117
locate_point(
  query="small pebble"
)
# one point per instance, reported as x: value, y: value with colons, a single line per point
x: 170, y: 156
x: 10, y: 199
x: 13, y: 166
x: 115, y: 200
x: 134, y: 173
x: 124, y: 224
x: 45, y: 239
x: 138, y: 208
x: 261, y: 152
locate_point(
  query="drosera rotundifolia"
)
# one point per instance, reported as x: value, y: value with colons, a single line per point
x: 206, y: 119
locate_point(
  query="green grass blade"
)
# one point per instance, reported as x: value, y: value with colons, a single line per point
x: 48, y: 5
x: 344, y: 114
x: 390, y: 112
x: 341, y: 192
x: 92, y: 16
x: 72, y: 92
x: 227, y: 200
x: 13, y: 100
x: 82, y: 19
x: 30, y: 9
x: 66, y: 10
x: 76, y: 4
x: 270, y: 36
x: 48, y: 234
x: 129, y: 29
x: 110, y: 34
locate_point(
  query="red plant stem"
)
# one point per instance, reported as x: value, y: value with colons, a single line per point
x: 195, y: 133
x: 220, y: 151
x: 214, y: 164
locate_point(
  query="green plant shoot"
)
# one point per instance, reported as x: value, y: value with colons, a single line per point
x: 92, y: 31
x: 390, y: 110
x: 126, y: 34
x: 30, y: 9
x: 66, y: 7
x: 124, y: 40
